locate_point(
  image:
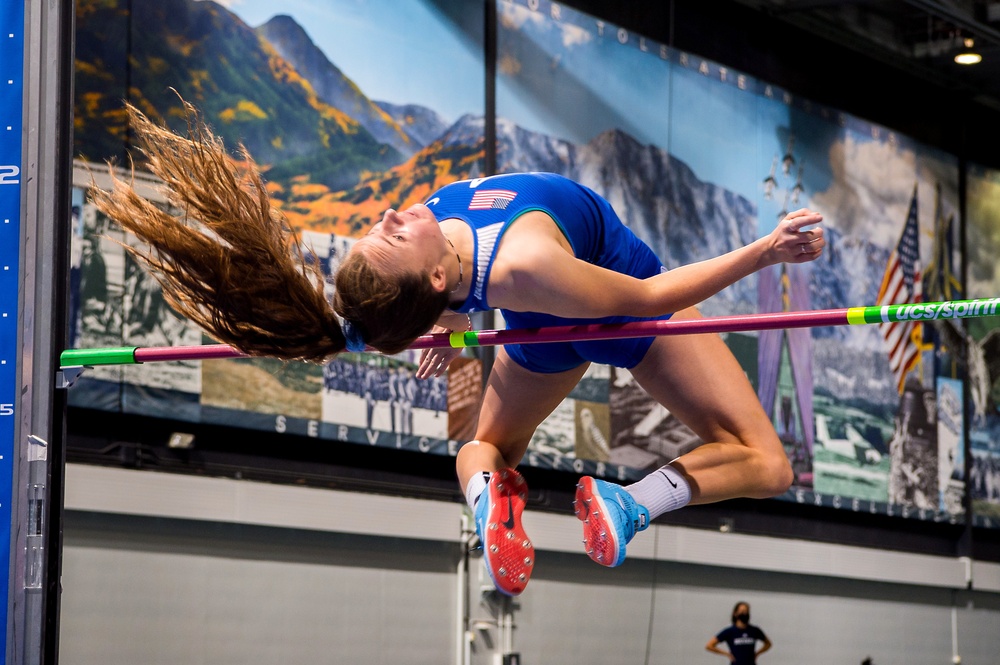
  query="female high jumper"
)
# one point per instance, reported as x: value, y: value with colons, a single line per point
x: 545, y: 251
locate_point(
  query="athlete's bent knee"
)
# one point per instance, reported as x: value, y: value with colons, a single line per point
x: 776, y: 475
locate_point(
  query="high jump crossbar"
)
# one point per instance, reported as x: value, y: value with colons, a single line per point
x: 928, y: 311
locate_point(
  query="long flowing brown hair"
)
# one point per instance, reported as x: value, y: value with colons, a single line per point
x: 229, y: 262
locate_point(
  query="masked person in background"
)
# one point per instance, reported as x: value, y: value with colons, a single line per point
x: 741, y: 638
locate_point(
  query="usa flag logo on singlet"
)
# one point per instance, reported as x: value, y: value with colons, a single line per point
x: 491, y: 198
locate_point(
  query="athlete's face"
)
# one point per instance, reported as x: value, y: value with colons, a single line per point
x: 408, y: 240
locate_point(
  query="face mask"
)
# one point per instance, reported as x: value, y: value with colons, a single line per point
x: 744, y: 617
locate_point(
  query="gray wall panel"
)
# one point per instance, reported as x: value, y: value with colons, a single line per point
x: 174, y: 569
x: 160, y: 591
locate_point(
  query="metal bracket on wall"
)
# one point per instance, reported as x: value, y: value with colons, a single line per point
x: 67, y: 376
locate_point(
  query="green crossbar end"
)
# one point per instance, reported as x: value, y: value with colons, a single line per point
x: 119, y: 355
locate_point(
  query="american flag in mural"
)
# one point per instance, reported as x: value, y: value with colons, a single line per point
x: 901, y: 284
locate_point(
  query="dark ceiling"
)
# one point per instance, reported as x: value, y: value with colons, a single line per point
x: 920, y: 37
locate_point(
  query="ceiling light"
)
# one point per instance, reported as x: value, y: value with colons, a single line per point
x: 968, y: 56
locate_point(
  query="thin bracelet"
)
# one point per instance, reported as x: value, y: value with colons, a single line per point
x: 468, y: 328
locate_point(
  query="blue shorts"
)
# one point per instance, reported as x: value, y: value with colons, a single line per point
x: 552, y: 357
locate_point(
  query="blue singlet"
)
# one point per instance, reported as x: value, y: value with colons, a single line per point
x: 490, y: 205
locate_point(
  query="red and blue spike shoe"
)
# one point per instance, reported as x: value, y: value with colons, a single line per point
x: 610, y: 516
x: 509, y: 554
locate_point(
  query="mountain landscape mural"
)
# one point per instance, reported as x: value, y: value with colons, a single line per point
x: 331, y: 85
x: 334, y: 159
x: 243, y: 87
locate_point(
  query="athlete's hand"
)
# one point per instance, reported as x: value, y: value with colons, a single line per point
x: 435, y: 362
x: 791, y: 242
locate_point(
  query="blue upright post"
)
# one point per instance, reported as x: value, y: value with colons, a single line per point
x: 11, y: 177
x: 36, y: 59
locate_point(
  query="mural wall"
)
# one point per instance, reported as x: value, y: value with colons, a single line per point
x: 348, y: 113
x: 341, y: 132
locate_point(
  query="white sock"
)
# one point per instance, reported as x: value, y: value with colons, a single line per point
x: 477, y: 483
x: 661, y: 491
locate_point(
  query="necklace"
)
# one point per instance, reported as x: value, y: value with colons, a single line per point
x: 460, y: 272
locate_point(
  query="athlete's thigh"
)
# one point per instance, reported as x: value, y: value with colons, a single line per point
x: 516, y: 400
x: 697, y: 378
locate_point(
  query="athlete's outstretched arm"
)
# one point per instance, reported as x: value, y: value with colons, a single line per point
x: 541, y: 276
